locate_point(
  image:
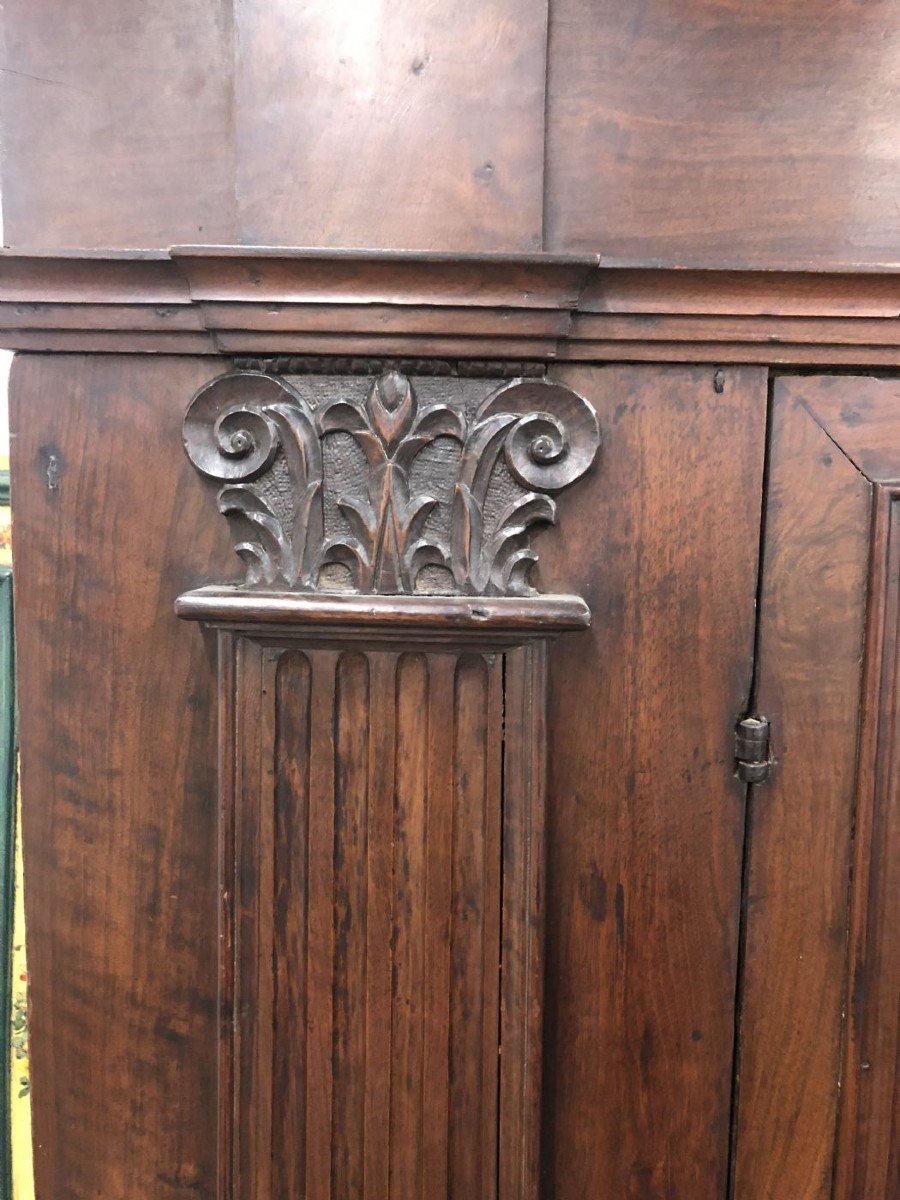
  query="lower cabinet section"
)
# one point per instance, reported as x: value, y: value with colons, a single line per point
x: 396, y: 894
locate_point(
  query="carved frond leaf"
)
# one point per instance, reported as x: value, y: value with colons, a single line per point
x: 343, y: 416
x: 414, y: 514
x: 361, y: 519
x: 466, y: 538
x: 440, y: 420
x: 260, y: 568
x: 515, y: 579
x: 510, y: 540
x: 423, y: 554
x: 307, y: 535
x: 520, y: 516
x: 483, y: 447
x: 243, y: 504
x: 350, y: 553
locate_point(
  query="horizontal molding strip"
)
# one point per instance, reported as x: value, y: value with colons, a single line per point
x: 263, y: 301
x: 459, y: 620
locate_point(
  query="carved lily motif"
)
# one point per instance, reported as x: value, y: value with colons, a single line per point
x: 386, y: 549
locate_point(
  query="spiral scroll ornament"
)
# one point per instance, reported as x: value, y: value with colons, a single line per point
x: 400, y: 532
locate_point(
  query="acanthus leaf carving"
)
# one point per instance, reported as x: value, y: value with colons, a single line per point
x: 267, y: 444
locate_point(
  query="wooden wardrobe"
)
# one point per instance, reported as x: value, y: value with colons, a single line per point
x: 455, y: 476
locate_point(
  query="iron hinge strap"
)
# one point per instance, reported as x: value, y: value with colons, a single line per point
x: 751, y: 749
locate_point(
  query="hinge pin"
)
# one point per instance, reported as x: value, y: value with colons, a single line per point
x: 751, y: 749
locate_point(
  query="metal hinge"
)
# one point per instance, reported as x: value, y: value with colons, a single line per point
x: 751, y: 749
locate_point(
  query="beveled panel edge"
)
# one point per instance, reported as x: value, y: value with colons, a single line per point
x: 495, y: 620
x: 257, y: 300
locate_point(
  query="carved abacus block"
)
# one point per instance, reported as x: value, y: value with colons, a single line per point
x: 382, y: 746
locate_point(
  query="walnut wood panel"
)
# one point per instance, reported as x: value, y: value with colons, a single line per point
x: 118, y: 726
x: 403, y: 126
x: 722, y: 132
x: 117, y: 124
x: 411, y: 125
x: 815, y: 1120
x: 811, y: 639
x: 324, y: 124
x: 868, y: 1160
x: 382, y: 1004
x: 862, y: 416
x: 645, y: 818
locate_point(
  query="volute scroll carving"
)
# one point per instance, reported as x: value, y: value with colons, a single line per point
x: 379, y: 493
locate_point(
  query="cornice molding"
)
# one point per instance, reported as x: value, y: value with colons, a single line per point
x: 265, y: 301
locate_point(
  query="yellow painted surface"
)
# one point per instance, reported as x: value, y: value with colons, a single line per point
x: 20, y: 1081
x: 20, y: 1084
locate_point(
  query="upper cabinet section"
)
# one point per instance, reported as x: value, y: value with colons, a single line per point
x: 709, y: 133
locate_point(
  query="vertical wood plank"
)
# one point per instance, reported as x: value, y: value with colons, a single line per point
x: 521, y: 1001
x: 118, y: 776
x: 380, y: 926
x: 320, y: 932
x: 811, y: 634
x: 351, y: 831
x: 645, y: 817
x: 227, y: 1048
x: 253, y: 952
x: 412, y: 807
x: 292, y: 849
x: 474, y: 956
x: 867, y: 1165
x: 438, y: 901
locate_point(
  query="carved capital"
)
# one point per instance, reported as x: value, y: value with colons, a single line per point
x: 369, y: 490
x: 382, y: 783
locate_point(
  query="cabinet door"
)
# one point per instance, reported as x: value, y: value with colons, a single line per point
x: 644, y: 816
x: 817, y: 1062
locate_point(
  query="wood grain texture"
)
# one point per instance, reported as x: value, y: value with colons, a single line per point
x: 403, y: 126
x: 812, y: 616
x: 364, y: 936
x: 412, y: 125
x: 118, y: 760
x: 828, y: 642
x: 867, y: 1165
x: 522, y: 949
x: 861, y: 415
x: 722, y: 132
x: 645, y: 817
x: 117, y: 123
